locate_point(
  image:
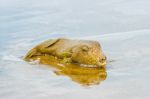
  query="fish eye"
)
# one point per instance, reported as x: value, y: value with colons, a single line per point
x: 85, y: 48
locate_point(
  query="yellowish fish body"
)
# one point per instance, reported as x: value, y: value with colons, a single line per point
x: 84, y: 52
x: 71, y: 58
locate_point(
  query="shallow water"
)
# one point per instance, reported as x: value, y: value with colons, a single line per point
x: 24, y: 24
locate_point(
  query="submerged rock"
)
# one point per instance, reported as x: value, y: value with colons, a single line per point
x: 82, y: 52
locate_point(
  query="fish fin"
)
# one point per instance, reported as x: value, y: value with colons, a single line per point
x: 30, y: 54
x: 49, y: 43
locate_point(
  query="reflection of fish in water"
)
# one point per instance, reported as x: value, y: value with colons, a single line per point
x: 82, y: 75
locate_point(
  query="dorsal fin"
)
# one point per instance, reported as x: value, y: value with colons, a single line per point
x: 49, y: 43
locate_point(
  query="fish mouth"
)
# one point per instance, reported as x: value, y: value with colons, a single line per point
x: 102, y: 63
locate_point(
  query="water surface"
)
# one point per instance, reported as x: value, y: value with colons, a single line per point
x: 25, y: 23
